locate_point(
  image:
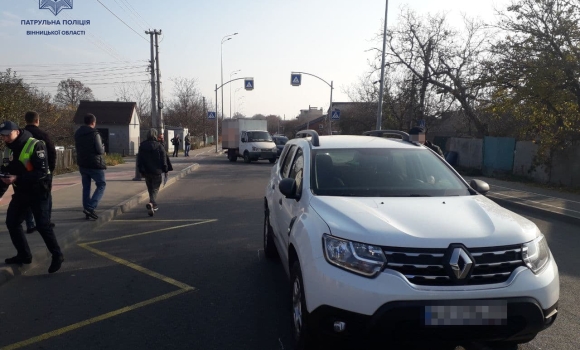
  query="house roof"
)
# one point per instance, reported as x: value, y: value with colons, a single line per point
x: 106, y: 112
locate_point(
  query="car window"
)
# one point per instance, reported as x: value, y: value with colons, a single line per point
x: 285, y: 168
x: 388, y: 172
x: 297, y: 169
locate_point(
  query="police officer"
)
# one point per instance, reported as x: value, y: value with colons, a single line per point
x: 25, y: 167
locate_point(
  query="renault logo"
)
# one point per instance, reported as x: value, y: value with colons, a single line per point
x: 460, y: 263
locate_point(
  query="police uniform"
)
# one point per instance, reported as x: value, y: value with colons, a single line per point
x: 26, y: 158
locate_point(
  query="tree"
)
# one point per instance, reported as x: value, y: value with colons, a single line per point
x: 536, y: 74
x: 440, y: 61
x: 70, y: 92
x: 141, y: 95
x: 186, y: 108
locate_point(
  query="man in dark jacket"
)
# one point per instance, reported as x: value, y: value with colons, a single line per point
x: 90, y: 152
x: 32, y: 122
x: 152, y: 162
x: 175, y: 142
x: 25, y: 167
x: 417, y: 134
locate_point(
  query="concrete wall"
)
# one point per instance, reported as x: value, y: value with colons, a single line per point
x: 566, y: 167
x: 523, y: 160
x: 469, y: 151
x: 134, y: 135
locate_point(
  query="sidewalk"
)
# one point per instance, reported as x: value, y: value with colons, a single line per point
x: 121, y: 194
x: 562, y: 205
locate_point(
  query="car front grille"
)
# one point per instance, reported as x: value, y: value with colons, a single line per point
x: 430, y: 267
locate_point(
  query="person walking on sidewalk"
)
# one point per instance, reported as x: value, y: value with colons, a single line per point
x: 25, y: 167
x: 175, y: 142
x: 187, y: 140
x: 152, y: 163
x: 92, y: 166
x: 417, y: 134
x: 32, y: 120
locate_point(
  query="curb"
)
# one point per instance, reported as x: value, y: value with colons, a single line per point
x: 537, y: 211
x: 72, y: 236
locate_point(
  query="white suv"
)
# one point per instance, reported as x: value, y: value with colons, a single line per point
x: 384, y: 241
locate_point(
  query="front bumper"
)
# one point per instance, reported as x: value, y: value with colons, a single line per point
x: 404, y: 321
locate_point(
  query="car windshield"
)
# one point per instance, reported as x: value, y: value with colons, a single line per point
x: 254, y: 136
x: 280, y: 141
x: 383, y: 172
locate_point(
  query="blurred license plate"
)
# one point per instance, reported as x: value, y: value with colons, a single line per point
x: 471, y: 313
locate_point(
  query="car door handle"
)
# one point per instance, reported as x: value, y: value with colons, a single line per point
x: 280, y: 201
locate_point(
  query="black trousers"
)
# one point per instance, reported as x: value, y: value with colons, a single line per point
x: 39, y: 203
x: 153, y: 182
x: 175, y: 150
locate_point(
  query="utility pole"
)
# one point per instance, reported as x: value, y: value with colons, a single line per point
x: 154, y: 123
x: 159, y: 102
x: 382, y: 81
x: 203, y: 120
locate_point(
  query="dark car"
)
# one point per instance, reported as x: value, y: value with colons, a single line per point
x: 280, y: 141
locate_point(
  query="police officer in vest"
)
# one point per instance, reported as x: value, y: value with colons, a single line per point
x: 25, y: 167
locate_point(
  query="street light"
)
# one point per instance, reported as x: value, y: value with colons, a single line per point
x: 232, y: 74
x: 224, y: 39
x: 331, y: 85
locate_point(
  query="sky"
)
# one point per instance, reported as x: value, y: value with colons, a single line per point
x: 327, y: 38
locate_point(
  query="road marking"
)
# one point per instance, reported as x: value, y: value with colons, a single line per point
x: 148, y: 232
x: 93, y: 320
x: 137, y: 267
x: 162, y: 220
x: 183, y: 288
x: 527, y: 200
x: 537, y: 194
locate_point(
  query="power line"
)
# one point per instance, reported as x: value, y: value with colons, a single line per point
x: 130, y: 15
x: 147, y: 25
x: 74, y: 64
x: 47, y: 72
x: 66, y: 76
x: 91, y: 83
x: 128, y: 26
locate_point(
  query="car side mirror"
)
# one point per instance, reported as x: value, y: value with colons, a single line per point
x: 480, y: 186
x: 288, y: 188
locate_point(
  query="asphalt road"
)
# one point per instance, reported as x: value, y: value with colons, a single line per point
x: 194, y: 277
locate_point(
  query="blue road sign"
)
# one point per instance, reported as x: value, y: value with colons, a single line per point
x: 335, y: 114
x: 295, y: 79
x: 249, y: 84
x: 422, y: 123
x: 210, y: 115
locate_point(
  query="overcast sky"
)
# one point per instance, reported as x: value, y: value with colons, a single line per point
x: 327, y: 38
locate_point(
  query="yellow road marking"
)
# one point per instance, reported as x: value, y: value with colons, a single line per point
x: 148, y: 232
x: 153, y: 220
x: 137, y: 267
x: 93, y: 320
x: 183, y: 288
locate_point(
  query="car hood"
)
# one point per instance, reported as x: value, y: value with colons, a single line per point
x: 421, y: 222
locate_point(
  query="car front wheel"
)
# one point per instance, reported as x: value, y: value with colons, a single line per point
x: 303, y: 338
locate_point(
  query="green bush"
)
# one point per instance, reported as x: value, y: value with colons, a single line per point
x: 114, y: 159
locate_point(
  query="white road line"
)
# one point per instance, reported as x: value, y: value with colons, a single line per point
x: 537, y: 194
x: 527, y: 200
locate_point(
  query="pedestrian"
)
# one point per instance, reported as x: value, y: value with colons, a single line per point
x: 152, y: 163
x: 161, y: 140
x: 91, y: 162
x: 32, y: 120
x: 175, y: 142
x: 417, y: 134
x: 25, y: 167
x: 187, y: 140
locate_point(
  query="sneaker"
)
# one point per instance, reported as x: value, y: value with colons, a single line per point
x: 56, y: 263
x: 90, y: 213
x: 155, y: 208
x: 31, y: 230
x: 150, y: 209
x: 18, y: 260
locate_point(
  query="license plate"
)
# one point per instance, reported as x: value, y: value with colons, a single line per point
x: 471, y: 313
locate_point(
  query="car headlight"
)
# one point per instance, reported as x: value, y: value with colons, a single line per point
x: 255, y: 149
x: 536, y: 254
x: 360, y: 258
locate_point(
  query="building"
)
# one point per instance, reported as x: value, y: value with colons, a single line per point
x: 117, y: 122
x: 309, y: 114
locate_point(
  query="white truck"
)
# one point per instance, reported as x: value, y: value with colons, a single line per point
x: 249, y: 139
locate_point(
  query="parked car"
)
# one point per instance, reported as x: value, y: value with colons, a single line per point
x: 384, y: 242
x: 280, y: 141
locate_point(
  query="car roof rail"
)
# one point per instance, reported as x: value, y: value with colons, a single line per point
x: 380, y: 133
x: 311, y: 133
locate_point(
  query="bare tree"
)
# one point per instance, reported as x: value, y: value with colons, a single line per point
x: 186, y: 108
x: 141, y: 95
x: 70, y: 92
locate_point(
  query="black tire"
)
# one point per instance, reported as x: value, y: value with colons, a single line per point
x: 232, y: 156
x: 269, y: 247
x: 247, y: 157
x: 272, y: 160
x: 301, y: 332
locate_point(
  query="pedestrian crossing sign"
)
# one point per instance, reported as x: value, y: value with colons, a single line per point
x: 295, y: 79
x: 335, y: 114
x: 210, y: 115
x: 249, y: 83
